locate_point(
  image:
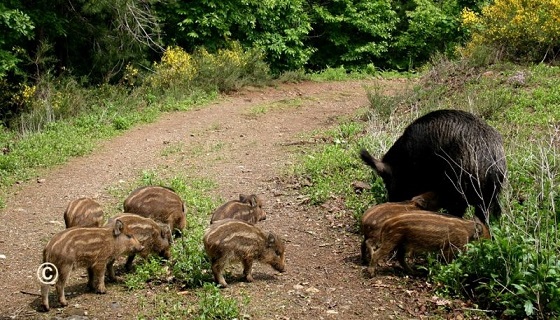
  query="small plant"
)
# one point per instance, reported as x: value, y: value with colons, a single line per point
x: 151, y: 269
x: 213, y: 305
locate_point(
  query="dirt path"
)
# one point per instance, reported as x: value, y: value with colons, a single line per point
x: 244, y: 147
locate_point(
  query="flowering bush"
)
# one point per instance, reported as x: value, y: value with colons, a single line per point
x: 518, y: 29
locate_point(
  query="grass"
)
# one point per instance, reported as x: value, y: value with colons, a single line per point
x: 189, y: 267
x: 285, y: 104
x: 517, y: 274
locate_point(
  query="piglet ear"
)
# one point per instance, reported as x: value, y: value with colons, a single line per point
x: 478, y: 229
x: 243, y: 197
x: 117, y: 229
x: 253, y: 201
x: 271, y: 240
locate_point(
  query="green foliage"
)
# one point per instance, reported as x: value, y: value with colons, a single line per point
x: 518, y: 271
x: 515, y: 29
x: 276, y: 27
x: 350, y: 33
x: 332, y: 168
x: 213, y: 305
x: 15, y: 25
x: 427, y: 28
x: 146, y: 271
x: 190, y: 264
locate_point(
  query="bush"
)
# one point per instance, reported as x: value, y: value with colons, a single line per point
x: 516, y: 29
x: 518, y: 272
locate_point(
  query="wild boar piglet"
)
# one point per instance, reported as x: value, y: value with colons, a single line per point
x: 235, y: 240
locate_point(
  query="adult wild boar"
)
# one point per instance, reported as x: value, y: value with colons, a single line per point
x: 90, y: 248
x: 248, y: 208
x: 159, y: 203
x: 450, y: 152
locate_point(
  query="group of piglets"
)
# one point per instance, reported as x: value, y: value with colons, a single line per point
x: 233, y: 236
x: 151, y: 215
x: 410, y: 226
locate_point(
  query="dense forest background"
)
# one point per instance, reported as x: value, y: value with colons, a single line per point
x: 108, y: 42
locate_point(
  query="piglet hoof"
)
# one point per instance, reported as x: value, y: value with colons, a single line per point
x: 249, y: 278
x: 100, y: 291
x: 369, y: 272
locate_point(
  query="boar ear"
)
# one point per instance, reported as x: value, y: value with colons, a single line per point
x: 478, y: 229
x: 271, y: 240
x: 420, y: 202
x: 118, y: 227
x: 253, y: 201
x: 166, y: 231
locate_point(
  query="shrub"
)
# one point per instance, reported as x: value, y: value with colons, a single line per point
x: 516, y: 29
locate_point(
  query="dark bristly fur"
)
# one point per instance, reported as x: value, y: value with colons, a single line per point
x: 159, y: 203
x: 83, y: 212
x: 90, y: 248
x: 248, y: 208
x: 235, y: 240
x: 450, y: 152
x: 422, y: 231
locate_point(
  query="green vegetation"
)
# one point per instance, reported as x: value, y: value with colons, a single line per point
x: 517, y: 273
x: 189, y: 267
x: 68, y: 120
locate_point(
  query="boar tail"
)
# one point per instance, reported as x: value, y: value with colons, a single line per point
x: 377, y: 165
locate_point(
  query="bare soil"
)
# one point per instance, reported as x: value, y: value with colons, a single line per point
x: 245, y: 143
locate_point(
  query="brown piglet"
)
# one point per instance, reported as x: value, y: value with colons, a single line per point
x: 423, y: 231
x: 83, y: 212
x: 159, y: 203
x: 374, y: 218
x: 248, y: 208
x: 90, y: 248
x: 235, y: 240
x: 154, y: 237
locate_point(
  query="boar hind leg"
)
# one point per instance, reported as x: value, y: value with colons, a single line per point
x: 45, y: 296
x: 98, y: 281
x: 401, y: 257
x: 370, y: 248
x: 129, y: 260
x: 111, y: 271
x: 248, y: 270
x: 64, y: 272
x: 217, y: 271
x: 365, y: 253
x: 90, y: 279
